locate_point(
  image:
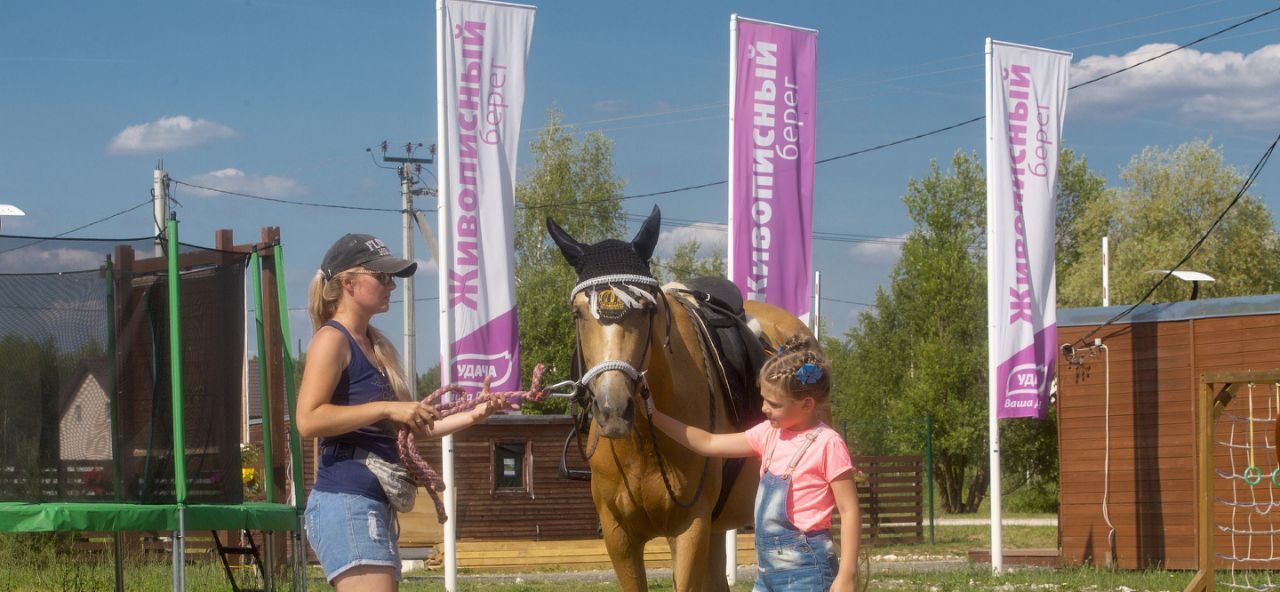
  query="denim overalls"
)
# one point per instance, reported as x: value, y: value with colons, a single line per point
x: 789, y: 559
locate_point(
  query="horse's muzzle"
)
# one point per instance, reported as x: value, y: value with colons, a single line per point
x: 615, y: 412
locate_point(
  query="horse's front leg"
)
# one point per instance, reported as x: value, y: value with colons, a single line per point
x: 691, y: 550
x: 714, y: 579
x: 625, y: 552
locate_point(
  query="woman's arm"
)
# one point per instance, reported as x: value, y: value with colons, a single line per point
x: 701, y: 441
x: 317, y: 416
x: 846, y: 494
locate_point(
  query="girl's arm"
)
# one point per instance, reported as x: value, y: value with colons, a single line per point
x: 701, y: 441
x: 461, y: 421
x: 846, y: 494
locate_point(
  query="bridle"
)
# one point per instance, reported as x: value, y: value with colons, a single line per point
x: 632, y: 290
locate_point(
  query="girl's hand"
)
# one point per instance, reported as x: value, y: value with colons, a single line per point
x: 415, y: 416
x: 843, y: 585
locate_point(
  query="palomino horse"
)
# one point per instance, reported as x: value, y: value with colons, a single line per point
x: 631, y: 336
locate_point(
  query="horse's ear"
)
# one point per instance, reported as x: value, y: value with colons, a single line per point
x: 647, y: 239
x: 570, y: 248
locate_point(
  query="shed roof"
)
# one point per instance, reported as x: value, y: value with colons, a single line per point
x: 1238, y: 306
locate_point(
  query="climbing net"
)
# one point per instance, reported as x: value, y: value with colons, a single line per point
x: 1245, y: 434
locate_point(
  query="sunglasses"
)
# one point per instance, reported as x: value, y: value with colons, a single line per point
x: 381, y: 277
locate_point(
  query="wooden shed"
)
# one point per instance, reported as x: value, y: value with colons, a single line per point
x: 1152, y: 364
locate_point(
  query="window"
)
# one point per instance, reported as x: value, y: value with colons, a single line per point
x: 510, y: 464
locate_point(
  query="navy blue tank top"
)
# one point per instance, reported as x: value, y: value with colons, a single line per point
x: 339, y: 472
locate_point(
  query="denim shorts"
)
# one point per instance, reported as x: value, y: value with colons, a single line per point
x: 347, y: 530
x: 796, y: 562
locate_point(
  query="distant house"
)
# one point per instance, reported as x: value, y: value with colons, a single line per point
x: 84, y: 419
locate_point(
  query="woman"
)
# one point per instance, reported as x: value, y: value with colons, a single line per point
x: 354, y: 397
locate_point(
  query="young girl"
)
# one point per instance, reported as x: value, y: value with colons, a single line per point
x: 354, y: 397
x: 805, y: 474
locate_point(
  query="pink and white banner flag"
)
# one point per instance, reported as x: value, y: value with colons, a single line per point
x: 772, y: 125
x: 1026, y: 100
x: 481, y: 82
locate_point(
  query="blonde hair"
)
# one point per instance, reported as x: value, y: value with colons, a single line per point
x: 322, y: 303
x: 781, y: 369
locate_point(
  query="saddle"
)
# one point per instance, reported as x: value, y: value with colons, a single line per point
x: 734, y: 351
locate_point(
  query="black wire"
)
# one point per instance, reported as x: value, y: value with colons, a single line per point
x: 81, y: 227
x: 1180, y: 47
x: 288, y: 201
x: 829, y: 299
x: 1248, y: 182
x: 975, y: 119
x: 723, y: 182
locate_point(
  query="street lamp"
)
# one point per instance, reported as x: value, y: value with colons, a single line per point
x: 1194, y: 277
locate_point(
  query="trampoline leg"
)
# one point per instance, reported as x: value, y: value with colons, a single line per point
x: 269, y: 557
x: 119, y: 560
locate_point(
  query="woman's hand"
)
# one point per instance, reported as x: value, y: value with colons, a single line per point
x: 417, y: 417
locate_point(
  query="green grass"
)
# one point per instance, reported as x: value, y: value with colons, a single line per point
x: 32, y: 563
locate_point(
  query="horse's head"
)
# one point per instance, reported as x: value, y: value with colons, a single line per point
x: 614, y: 305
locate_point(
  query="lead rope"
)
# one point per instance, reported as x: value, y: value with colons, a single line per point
x: 418, y: 467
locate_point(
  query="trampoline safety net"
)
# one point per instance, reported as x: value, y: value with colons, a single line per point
x: 86, y: 408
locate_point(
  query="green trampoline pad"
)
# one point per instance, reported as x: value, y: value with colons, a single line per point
x: 112, y: 517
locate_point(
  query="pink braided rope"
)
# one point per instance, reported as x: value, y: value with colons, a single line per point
x: 418, y: 466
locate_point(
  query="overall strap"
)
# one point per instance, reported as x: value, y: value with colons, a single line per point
x: 795, y: 460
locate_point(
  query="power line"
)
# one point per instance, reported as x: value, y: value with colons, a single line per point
x: 853, y: 302
x: 81, y: 227
x: 723, y: 182
x: 287, y: 201
x: 1248, y: 182
x: 837, y: 83
x: 982, y: 117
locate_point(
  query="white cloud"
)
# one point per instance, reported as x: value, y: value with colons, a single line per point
x: 1227, y: 86
x: 231, y: 179
x: 881, y: 251
x: 168, y: 134
x: 710, y: 237
x: 36, y: 260
x: 610, y: 105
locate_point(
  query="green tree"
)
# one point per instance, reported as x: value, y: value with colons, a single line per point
x: 922, y: 349
x: 1166, y: 202
x: 572, y: 181
x: 684, y: 263
x: 429, y: 381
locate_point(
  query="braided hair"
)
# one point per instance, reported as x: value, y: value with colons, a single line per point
x: 799, y: 369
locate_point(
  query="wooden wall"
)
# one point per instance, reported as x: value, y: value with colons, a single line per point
x: 555, y: 508
x: 1154, y: 376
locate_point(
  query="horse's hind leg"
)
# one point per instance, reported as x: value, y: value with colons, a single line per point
x: 626, y: 553
x: 690, y: 557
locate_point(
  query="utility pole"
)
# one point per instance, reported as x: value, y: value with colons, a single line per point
x: 409, y: 167
x: 159, y: 205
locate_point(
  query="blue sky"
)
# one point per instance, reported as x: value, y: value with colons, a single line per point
x: 282, y: 98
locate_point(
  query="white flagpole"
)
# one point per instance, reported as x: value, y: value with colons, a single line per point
x: 731, y: 536
x: 993, y: 425
x: 446, y: 354
x: 1106, y: 272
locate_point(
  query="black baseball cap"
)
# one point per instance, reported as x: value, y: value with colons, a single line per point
x: 364, y: 250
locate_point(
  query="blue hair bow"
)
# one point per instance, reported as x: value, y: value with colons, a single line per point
x: 809, y: 373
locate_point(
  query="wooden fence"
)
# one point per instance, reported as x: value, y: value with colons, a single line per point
x: 891, y: 497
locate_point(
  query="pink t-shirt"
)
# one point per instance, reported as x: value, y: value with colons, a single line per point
x: 811, y: 500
